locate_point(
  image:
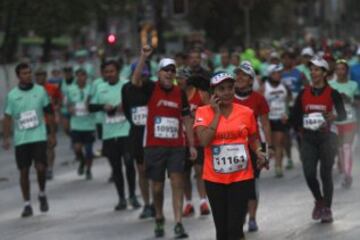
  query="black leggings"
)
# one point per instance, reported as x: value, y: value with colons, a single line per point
x: 116, y: 151
x: 315, y: 147
x: 229, y: 207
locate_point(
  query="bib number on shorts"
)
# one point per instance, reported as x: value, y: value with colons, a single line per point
x: 28, y: 120
x: 229, y: 158
x: 139, y: 115
x: 117, y: 118
x: 313, y: 121
x: 81, y: 109
x: 166, y: 127
x: 277, y: 110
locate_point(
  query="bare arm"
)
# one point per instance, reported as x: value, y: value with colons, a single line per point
x: 6, y: 131
x: 145, y: 53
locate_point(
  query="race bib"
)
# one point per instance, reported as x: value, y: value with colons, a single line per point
x: 277, y: 110
x: 28, y: 120
x: 139, y: 115
x: 313, y: 121
x: 81, y: 109
x: 117, y: 118
x: 166, y: 127
x: 229, y: 158
x: 350, y: 113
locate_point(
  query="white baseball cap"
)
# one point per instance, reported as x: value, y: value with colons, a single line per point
x: 166, y: 62
x: 246, y: 68
x: 220, y: 77
x: 274, y: 68
x: 308, y: 51
x: 320, y: 62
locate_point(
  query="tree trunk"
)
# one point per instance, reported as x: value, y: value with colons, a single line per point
x: 158, y: 9
x: 47, y: 47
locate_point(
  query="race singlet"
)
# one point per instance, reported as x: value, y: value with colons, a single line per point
x: 81, y: 109
x: 229, y: 158
x: 166, y: 127
x: 277, y: 109
x: 313, y: 121
x: 139, y: 115
x: 117, y: 118
x: 28, y: 120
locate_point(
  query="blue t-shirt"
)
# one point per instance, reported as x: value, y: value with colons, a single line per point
x: 293, y: 80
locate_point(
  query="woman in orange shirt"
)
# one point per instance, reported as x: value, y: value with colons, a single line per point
x: 226, y: 130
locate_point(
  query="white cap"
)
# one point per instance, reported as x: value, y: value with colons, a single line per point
x: 274, y: 68
x: 220, y: 77
x: 274, y: 55
x: 166, y: 62
x: 320, y: 62
x: 307, y: 51
x: 247, y: 68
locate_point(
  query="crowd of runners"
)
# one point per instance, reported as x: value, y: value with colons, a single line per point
x: 219, y: 118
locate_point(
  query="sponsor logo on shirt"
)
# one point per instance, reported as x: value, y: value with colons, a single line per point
x: 316, y: 107
x: 167, y: 103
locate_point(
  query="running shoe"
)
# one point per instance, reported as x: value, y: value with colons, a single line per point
x: 279, y: 172
x: 44, y: 205
x: 134, y: 202
x: 180, y: 231
x: 317, y: 211
x: 204, y: 209
x: 290, y: 164
x: 189, y: 210
x: 252, y: 225
x: 159, y: 227
x: 326, y: 215
x: 27, y: 212
x: 121, y: 205
x: 146, y: 212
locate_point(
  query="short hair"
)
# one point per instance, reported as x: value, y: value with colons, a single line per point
x: 80, y: 71
x: 20, y: 67
x: 111, y: 62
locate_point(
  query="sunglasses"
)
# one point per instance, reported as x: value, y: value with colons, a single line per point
x: 172, y: 70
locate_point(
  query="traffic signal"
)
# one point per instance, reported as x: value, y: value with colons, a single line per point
x: 111, y: 39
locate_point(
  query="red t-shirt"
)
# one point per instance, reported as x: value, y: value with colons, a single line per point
x: 227, y: 158
x: 255, y: 101
x: 54, y: 94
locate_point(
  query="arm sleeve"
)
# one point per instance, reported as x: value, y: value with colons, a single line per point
x: 339, y: 105
x: 185, y: 111
x: 202, y: 117
x: 125, y: 103
x: 296, y: 115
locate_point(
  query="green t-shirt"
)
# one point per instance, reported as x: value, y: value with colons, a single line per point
x: 94, y: 88
x: 305, y: 70
x: 350, y: 89
x: 229, y: 69
x: 82, y: 119
x: 115, y: 125
x: 64, y: 89
x: 26, y: 107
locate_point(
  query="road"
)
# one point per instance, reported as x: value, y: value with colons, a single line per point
x: 83, y: 210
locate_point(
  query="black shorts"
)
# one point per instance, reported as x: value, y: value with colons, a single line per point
x: 278, y: 126
x: 160, y: 159
x: 83, y: 137
x: 29, y: 152
x: 136, y: 149
x: 199, y: 160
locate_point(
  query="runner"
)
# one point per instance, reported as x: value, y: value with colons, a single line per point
x: 82, y: 122
x: 347, y: 128
x: 225, y: 66
x: 68, y: 81
x: 227, y: 130
x: 115, y: 133
x: 197, y: 97
x: 245, y: 96
x: 278, y: 97
x: 312, y: 115
x: 306, y: 55
x: 25, y: 108
x: 164, y: 140
x: 134, y: 99
x: 55, y: 99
